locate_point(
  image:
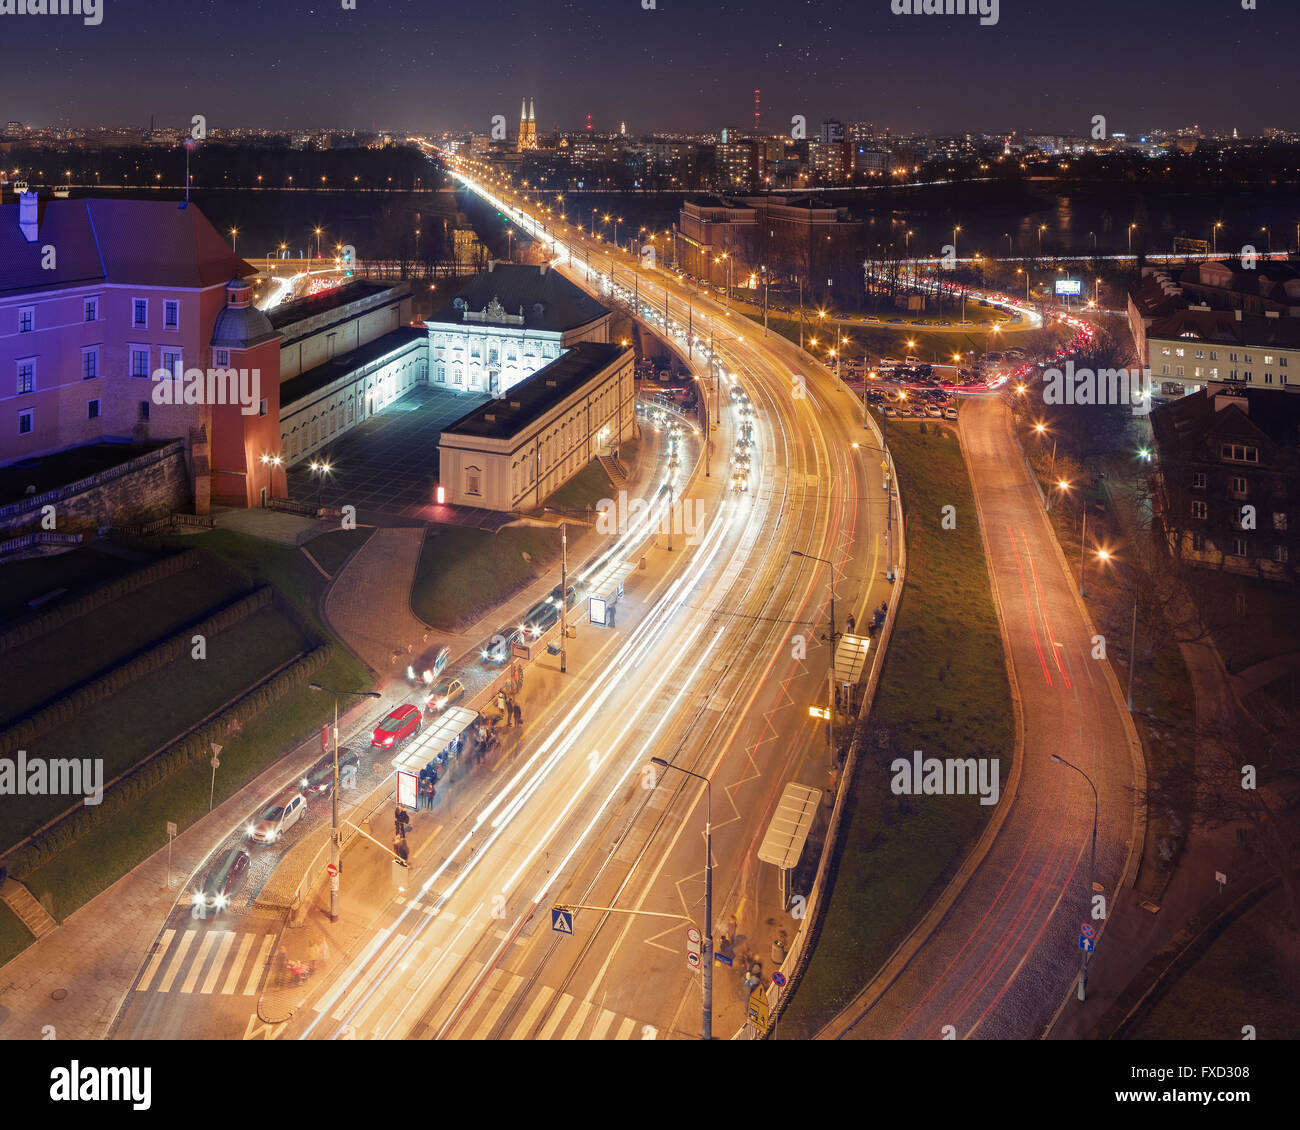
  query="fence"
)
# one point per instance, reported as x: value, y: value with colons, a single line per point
x: 27, y: 541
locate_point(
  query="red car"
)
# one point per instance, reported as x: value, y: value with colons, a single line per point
x: 397, y: 727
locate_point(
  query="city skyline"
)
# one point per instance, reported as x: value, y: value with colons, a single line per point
x: 842, y: 60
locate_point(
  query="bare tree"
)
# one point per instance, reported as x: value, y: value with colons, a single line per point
x: 1246, y: 774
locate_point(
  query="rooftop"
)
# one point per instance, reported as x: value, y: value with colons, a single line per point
x: 534, y: 396
x: 140, y: 242
x: 544, y: 298
x: 295, y: 388
x: 302, y: 308
x: 1229, y: 327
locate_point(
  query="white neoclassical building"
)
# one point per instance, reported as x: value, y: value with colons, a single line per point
x: 512, y: 452
x: 505, y: 324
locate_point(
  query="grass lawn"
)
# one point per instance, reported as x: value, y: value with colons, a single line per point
x: 1250, y: 974
x: 126, y: 727
x: 100, y: 858
x: 588, y: 487
x: 943, y: 690
x: 334, y: 548
x: 14, y: 936
x: 78, y: 571
x: 45, y: 667
x: 465, y: 573
x: 110, y: 850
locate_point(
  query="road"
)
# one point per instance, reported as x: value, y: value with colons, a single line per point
x: 703, y: 673
x: 1004, y: 955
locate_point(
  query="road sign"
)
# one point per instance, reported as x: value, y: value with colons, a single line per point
x: 692, y: 936
x: 693, y: 960
x: 1087, y: 930
x: 721, y: 958
x: 1085, y: 944
x: 171, y: 828
x: 331, y: 869
x: 758, y: 1009
x: 778, y: 979
x: 561, y: 920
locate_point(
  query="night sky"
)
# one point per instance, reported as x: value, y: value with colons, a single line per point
x: 1046, y: 66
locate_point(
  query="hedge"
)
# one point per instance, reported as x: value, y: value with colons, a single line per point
x: 97, y: 598
x: 73, y: 705
x: 135, y: 784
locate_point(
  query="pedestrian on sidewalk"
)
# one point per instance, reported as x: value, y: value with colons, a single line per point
x: 401, y: 821
x: 313, y: 956
x: 519, y: 715
x: 850, y: 624
x: 400, y: 849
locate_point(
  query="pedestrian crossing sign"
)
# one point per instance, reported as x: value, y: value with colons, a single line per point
x: 561, y: 920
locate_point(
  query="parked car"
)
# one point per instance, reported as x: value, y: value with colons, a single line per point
x: 271, y: 824
x: 496, y: 648
x: 443, y: 694
x: 539, y: 620
x: 226, y: 877
x: 319, y: 779
x: 422, y: 673
x: 950, y: 413
x: 400, y: 724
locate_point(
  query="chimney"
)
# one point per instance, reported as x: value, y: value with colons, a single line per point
x: 28, y: 216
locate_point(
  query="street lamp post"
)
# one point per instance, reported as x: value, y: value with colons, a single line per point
x: 830, y: 663
x: 320, y: 470
x: 707, y: 956
x: 1092, y: 867
x: 336, y: 877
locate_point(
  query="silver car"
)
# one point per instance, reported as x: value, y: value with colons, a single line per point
x: 271, y: 824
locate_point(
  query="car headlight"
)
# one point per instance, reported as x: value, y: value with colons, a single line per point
x: 250, y: 831
x: 221, y: 902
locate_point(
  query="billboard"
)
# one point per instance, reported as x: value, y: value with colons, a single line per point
x: 1069, y: 286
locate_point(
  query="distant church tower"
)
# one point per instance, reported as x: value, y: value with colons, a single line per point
x: 527, y: 126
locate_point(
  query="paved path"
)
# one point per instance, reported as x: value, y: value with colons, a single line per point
x: 369, y: 604
x: 91, y: 960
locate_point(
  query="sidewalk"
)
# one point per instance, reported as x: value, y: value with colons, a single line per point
x: 76, y: 977
x: 1144, y: 924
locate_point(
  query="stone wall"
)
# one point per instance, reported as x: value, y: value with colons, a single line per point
x: 148, y: 487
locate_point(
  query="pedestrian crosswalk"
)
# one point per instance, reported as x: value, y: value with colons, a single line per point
x: 422, y: 977
x: 229, y: 962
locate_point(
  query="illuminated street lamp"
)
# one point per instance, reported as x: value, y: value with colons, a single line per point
x: 320, y: 469
x: 335, y: 875
x: 706, y: 957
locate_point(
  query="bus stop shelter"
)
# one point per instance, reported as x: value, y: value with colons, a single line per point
x: 445, y: 735
x: 786, y: 835
x: 607, y: 592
